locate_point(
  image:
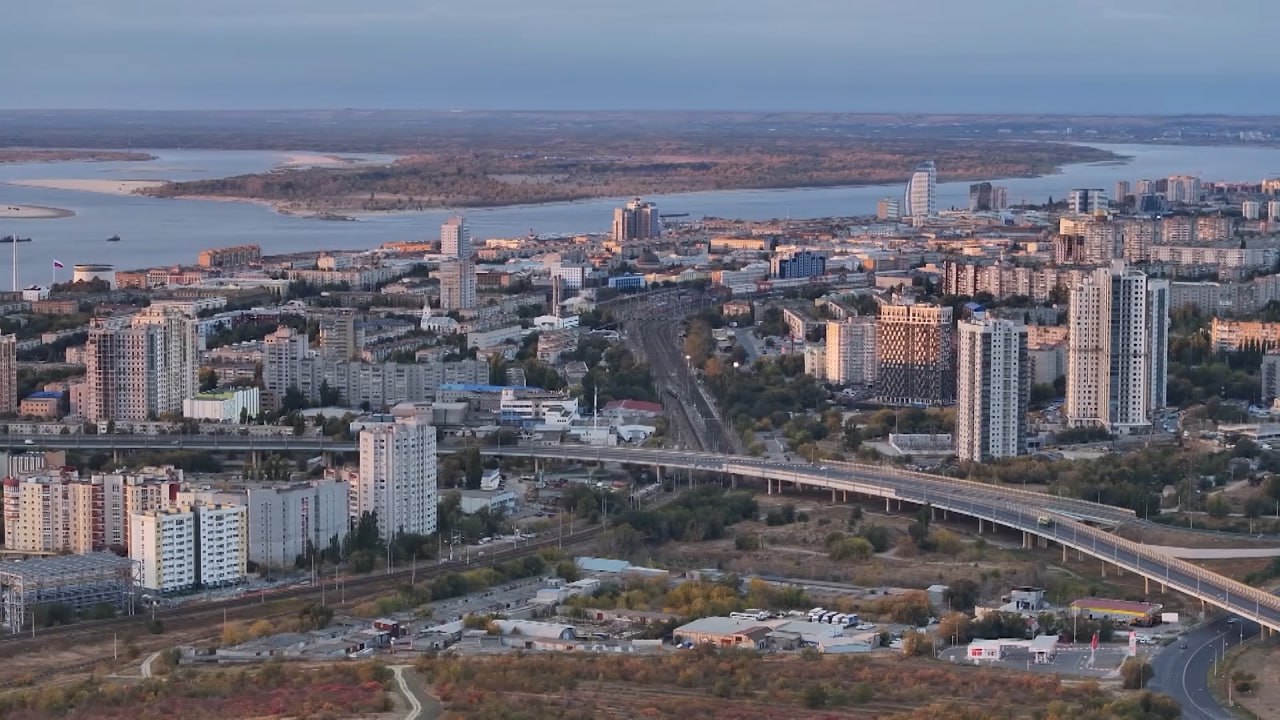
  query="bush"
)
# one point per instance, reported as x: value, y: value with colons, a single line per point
x: 746, y: 542
x: 1136, y: 673
x: 815, y: 696
x: 854, y: 548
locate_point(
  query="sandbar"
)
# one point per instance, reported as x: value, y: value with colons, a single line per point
x: 305, y: 159
x: 32, y: 212
x: 111, y: 187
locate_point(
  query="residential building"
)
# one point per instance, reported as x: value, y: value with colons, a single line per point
x: 397, y: 480
x: 637, y: 220
x: 8, y: 373
x: 189, y: 546
x: 815, y: 361
x: 1251, y: 209
x: 1183, y: 189
x: 338, y: 340
x: 1234, y: 335
x: 232, y: 405
x: 228, y: 257
x: 993, y: 380
x: 1087, y: 201
x: 283, y: 353
x: 287, y: 520
x: 572, y: 276
x: 141, y: 371
x: 1117, y: 355
x: 920, y: 199
x: 980, y: 197
x: 1123, y: 190
x: 42, y: 404
x: 1087, y: 241
x: 52, y: 514
x: 798, y: 264
x: 999, y: 197
x: 888, y: 209
x: 455, y: 238
x: 1270, y: 376
x: 851, y: 351
x: 1273, y: 211
x: 457, y: 285
x: 915, y: 354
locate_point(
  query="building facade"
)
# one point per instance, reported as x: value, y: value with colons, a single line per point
x: 850, y: 356
x: 1117, y: 353
x: 637, y: 220
x: 915, y: 354
x: 457, y: 285
x: 141, y: 371
x: 455, y: 238
x: 920, y: 198
x: 283, y: 354
x: 798, y: 264
x: 397, y: 478
x: 993, y: 379
x: 288, y: 521
x: 189, y: 546
x: 8, y: 373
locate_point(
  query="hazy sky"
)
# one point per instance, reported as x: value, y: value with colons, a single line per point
x: 1131, y: 56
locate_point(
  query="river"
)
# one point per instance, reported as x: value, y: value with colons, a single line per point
x: 159, y: 231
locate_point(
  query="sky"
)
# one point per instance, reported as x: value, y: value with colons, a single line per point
x: 1000, y: 56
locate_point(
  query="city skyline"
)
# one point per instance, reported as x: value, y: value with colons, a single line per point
x: 712, y: 55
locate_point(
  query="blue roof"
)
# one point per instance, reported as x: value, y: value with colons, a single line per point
x: 604, y: 565
x: 44, y: 394
x: 474, y: 387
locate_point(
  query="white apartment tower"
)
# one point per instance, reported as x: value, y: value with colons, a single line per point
x: 141, y: 371
x: 283, y: 354
x: 851, y: 351
x: 189, y: 546
x: 1117, y: 351
x: 993, y: 380
x: 455, y: 238
x: 397, y: 476
x: 285, y: 521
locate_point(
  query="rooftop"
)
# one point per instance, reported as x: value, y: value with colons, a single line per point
x: 720, y: 626
x: 1116, y: 606
x: 45, y: 395
x: 64, y: 566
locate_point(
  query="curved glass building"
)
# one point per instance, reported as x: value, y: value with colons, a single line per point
x: 920, y: 197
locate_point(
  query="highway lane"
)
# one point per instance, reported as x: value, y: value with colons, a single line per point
x: 1184, y: 674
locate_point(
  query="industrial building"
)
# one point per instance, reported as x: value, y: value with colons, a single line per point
x: 79, y: 581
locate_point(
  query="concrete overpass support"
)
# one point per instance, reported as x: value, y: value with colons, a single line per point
x: 979, y: 526
x: 887, y: 509
x: 833, y: 496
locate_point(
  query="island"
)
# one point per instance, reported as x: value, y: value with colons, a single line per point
x: 32, y: 212
x: 567, y: 168
x: 31, y: 155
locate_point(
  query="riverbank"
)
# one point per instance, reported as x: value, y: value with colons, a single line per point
x: 109, y: 187
x: 33, y: 212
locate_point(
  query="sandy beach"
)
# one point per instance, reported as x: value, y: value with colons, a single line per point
x: 301, y: 160
x: 32, y: 212
x: 111, y: 187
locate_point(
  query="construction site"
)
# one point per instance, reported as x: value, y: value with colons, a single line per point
x: 76, y: 581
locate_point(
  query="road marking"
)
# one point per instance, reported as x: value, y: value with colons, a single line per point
x: 1187, y: 666
x: 415, y: 707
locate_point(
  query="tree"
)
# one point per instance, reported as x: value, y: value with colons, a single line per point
x: 962, y: 594
x: 208, y: 379
x: 1217, y: 506
x: 851, y: 548
x: 1136, y: 673
x: 954, y: 628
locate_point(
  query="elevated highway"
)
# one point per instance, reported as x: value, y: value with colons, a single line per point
x: 1069, y: 522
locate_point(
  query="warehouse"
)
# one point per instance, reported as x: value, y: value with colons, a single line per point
x: 723, y: 632
x: 77, y: 581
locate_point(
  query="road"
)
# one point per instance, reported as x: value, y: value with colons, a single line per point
x: 1183, y: 674
x: 415, y: 705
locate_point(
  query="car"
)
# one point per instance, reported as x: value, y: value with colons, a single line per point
x: 1182, y: 646
x: 28, y: 441
x: 1233, y: 620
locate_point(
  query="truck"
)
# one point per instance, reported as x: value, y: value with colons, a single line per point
x: 1045, y: 521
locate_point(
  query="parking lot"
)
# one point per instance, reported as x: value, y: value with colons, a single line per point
x: 1078, y: 661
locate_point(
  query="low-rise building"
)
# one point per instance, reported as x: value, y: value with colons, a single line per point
x: 1122, y: 610
x: 473, y: 501
x: 723, y: 632
x: 228, y: 406
x: 42, y: 405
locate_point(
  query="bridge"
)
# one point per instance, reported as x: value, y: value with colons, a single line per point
x: 1065, y: 521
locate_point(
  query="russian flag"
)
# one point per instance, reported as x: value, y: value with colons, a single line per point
x: 58, y: 264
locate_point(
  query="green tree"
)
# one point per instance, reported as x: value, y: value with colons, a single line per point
x: 208, y: 379
x: 1136, y: 673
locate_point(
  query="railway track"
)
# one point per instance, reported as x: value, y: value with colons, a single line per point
x: 260, y: 605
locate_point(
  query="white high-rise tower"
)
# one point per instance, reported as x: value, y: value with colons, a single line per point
x: 993, y: 381
x: 455, y: 238
x: 920, y: 199
x: 397, y: 476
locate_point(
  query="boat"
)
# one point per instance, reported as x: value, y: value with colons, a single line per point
x: 13, y: 239
x: 114, y: 238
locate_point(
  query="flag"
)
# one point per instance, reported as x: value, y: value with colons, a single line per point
x: 1093, y: 644
x: 58, y: 264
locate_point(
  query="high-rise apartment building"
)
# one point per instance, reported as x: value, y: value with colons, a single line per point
x: 850, y: 355
x: 920, y: 199
x: 1086, y: 241
x: 999, y: 197
x: 338, y: 336
x: 1184, y: 189
x: 888, y: 209
x: 1087, y: 201
x: 980, y: 197
x: 637, y: 220
x: 993, y: 380
x: 1273, y: 211
x: 457, y: 285
x: 1123, y: 190
x: 48, y: 514
x: 397, y: 476
x: 8, y: 373
x: 915, y: 354
x: 1270, y: 377
x: 141, y: 371
x: 283, y: 353
x: 1117, y: 351
x: 189, y: 546
x: 1251, y: 210
x: 286, y: 521
x: 455, y: 238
